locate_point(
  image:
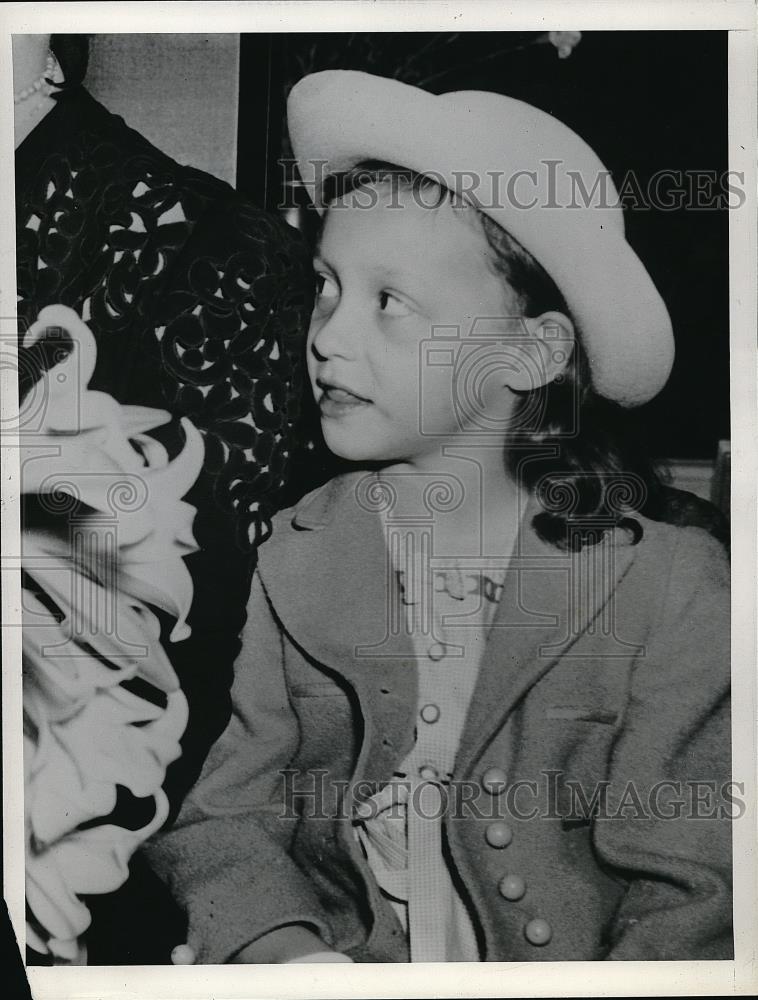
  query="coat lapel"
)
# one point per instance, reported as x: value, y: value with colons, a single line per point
x: 328, y: 576
x: 550, y: 597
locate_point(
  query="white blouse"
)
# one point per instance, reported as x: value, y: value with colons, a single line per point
x: 449, y: 605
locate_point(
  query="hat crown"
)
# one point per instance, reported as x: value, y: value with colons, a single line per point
x: 533, y: 155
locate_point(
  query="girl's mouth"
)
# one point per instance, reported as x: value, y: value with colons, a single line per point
x: 337, y: 401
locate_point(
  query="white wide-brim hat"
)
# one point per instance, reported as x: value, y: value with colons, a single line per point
x: 525, y: 170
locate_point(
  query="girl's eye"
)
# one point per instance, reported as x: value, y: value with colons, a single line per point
x: 326, y: 287
x: 392, y: 306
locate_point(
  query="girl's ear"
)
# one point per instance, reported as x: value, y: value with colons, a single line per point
x: 547, y: 348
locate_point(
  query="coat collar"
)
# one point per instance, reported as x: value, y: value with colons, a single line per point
x: 327, y: 573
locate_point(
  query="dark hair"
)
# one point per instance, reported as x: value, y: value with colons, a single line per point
x: 72, y: 53
x: 569, y: 446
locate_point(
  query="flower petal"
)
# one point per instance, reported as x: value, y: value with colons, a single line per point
x: 51, y: 900
x: 167, y: 585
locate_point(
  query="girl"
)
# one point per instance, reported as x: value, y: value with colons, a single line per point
x: 481, y: 709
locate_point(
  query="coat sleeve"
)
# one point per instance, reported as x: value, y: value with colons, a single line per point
x: 671, y: 843
x: 226, y: 858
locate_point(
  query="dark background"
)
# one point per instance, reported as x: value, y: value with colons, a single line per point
x: 645, y: 101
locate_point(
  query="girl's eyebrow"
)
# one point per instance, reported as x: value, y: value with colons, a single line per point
x: 381, y: 272
x: 318, y: 258
x: 319, y: 263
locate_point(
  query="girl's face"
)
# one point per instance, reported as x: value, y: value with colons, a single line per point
x: 400, y: 287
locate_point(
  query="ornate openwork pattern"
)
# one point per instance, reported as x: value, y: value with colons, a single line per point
x: 198, y: 303
x: 197, y: 300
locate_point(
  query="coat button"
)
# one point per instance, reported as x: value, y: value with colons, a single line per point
x: 498, y: 834
x: 365, y: 810
x: 494, y: 780
x: 512, y: 887
x: 538, y: 931
x: 428, y: 772
x: 183, y: 955
x: 430, y: 713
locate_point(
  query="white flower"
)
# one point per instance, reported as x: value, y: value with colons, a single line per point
x: 95, y: 450
x: 564, y: 41
x: 89, y: 636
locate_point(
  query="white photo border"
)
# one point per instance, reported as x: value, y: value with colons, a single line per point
x: 537, y: 979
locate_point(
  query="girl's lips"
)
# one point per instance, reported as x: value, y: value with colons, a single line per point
x: 336, y: 401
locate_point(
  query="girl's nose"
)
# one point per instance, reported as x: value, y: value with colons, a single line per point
x: 334, y: 335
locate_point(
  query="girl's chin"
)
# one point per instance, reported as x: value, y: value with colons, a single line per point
x: 356, y: 451
x: 360, y: 455
x: 350, y: 444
